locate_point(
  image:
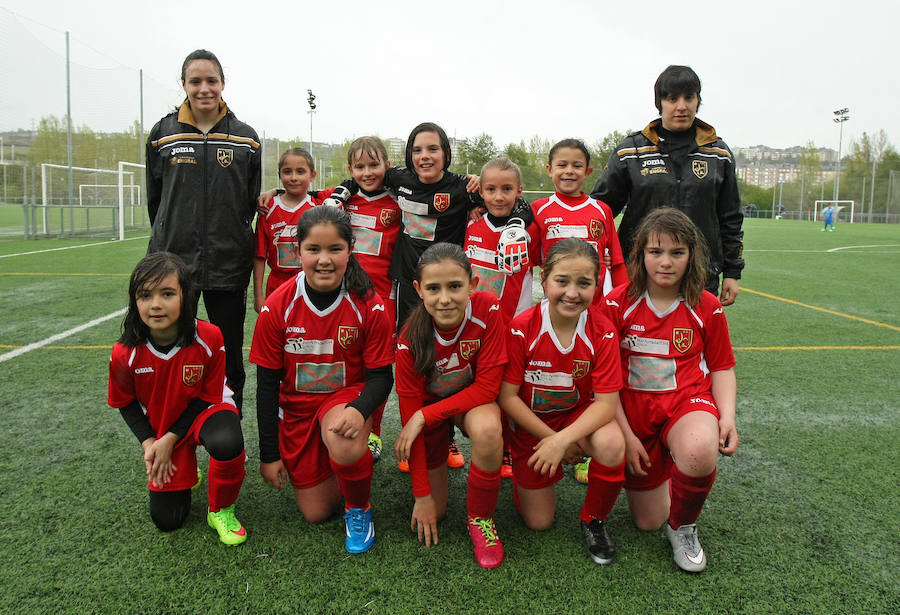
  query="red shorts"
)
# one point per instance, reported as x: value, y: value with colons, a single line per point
x: 651, y: 416
x: 521, y: 447
x: 303, y: 452
x: 184, y: 455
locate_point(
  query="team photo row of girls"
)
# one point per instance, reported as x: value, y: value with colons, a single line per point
x: 420, y: 280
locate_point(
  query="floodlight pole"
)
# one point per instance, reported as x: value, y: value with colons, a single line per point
x: 69, y: 138
x: 311, y: 99
x: 840, y: 116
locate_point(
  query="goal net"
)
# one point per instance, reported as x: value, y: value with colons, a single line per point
x: 844, y: 211
x: 94, y: 202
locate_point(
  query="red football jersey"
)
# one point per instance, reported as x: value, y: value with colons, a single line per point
x: 552, y: 378
x: 276, y: 240
x: 320, y: 351
x: 164, y: 383
x: 376, y: 224
x: 514, y: 291
x: 673, y: 350
x: 559, y: 216
x: 477, y: 344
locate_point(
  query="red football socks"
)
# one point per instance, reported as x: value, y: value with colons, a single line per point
x: 225, y: 480
x: 688, y: 494
x: 355, y: 480
x: 604, y: 485
x: 484, y: 488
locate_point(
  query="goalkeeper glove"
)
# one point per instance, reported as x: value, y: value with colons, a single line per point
x: 512, y: 248
x: 337, y: 198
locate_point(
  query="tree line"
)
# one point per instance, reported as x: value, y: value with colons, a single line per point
x: 870, y: 160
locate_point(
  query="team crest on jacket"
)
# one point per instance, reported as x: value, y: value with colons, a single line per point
x: 387, y: 217
x: 699, y: 168
x: 347, y: 336
x: 191, y: 374
x: 580, y: 368
x: 442, y: 201
x: 468, y: 348
x: 682, y: 339
x: 224, y: 156
x: 596, y: 229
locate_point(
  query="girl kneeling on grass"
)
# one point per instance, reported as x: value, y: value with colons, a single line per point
x: 167, y: 377
x: 324, y: 348
x: 679, y: 399
x: 560, y: 390
x: 450, y: 358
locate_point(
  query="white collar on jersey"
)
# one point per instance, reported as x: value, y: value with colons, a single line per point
x: 462, y: 325
x: 547, y: 327
x: 300, y: 293
x: 278, y: 202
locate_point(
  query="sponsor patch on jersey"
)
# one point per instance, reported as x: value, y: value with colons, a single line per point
x: 645, y: 345
x: 419, y: 227
x: 191, y: 374
x: 489, y: 280
x: 700, y: 168
x: 319, y: 377
x: 182, y: 160
x: 654, y: 171
x: 549, y: 400
x: 651, y: 373
x: 442, y: 201
x: 367, y: 241
x: 549, y: 379
x: 225, y: 156
x: 561, y: 231
x: 468, y: 348
x: 596, y: 229
x: 481, y: 254
x: 362, y: 221
x: 580, y: 368
x: 347, y: 336
x: 682, y: 339
x: 285, y: 253
x: 298, y: 345
x: 388, y: 217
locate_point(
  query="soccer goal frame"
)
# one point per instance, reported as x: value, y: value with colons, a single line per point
x: 120, y: 173
x: 838, y: 206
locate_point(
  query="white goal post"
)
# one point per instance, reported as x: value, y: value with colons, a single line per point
x: 838, y: 207
x: 122, y: 172
x: 48, y: 196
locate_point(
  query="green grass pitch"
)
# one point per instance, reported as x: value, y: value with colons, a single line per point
x: 804, y: 519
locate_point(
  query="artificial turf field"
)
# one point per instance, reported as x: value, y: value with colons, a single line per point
x: 804, y: 518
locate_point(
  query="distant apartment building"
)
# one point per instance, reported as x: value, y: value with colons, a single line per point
x: 767, y: 166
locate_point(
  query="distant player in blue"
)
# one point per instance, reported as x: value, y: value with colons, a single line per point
x: 828, y: 212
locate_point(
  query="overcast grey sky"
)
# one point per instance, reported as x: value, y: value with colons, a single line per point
x: 772, y: 71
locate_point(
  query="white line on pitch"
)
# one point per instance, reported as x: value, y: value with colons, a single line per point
x: 55, y: 338
x: 84, y: 245
x: 874, y: 245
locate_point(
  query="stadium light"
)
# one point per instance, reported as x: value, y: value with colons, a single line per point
x: 840, y: 116
x: 311, y: 99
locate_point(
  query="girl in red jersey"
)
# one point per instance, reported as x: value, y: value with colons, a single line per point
x: 324, y: 347
x: 679, y: 399
x: 560, y: 391
x: 276, y: 228
x: 167, y: 378
x: 450, y: 358
x: 569, y: 212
